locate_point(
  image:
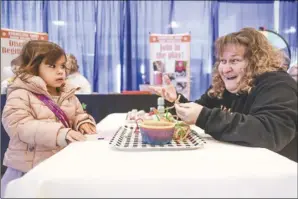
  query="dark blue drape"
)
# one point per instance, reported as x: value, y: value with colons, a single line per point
x: 288, y: 20
x: 111, y: 38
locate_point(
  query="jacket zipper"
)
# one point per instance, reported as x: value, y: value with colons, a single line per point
x: 232, y: 106
x: 60, y: 100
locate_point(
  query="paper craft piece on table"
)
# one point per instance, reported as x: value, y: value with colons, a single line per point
x: 93, y: 137
x: 135, y: 114
x: 126, y: 139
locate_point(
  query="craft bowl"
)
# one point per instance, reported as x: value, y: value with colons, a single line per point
x: 156, y: 132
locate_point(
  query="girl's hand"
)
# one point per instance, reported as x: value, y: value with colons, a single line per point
x: 74, y: 136
x: 87, y: 128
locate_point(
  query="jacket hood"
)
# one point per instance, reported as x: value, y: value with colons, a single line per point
x: 36, y: 84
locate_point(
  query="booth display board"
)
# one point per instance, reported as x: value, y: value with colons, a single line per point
x: 170, y: 55
x: 12, y: 42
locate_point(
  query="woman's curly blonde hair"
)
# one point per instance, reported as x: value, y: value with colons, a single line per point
x: 261, y: 55
x: 71, y: 64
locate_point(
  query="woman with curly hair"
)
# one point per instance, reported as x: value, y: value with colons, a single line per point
x: 75, y: 78
x: 252, y: 100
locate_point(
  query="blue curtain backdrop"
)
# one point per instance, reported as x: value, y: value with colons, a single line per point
x: 73, y: 29
x: 197, y: 21
x: 141, y: 17
x: 288, y: 20
x: 108, y: 35
x: 111, y: 38
x: 234, y: 15
x: 22, y: 15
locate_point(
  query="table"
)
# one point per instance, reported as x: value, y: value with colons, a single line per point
x: 99, y: 106
x: 94, y: 169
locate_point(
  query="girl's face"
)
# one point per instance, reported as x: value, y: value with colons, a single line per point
x: 53, y: 75
x: 232, y: 66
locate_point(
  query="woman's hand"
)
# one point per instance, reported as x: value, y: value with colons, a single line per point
x: 188, y: 112
x: 168, y: 92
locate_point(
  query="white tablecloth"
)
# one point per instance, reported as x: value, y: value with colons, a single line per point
x: 94, y: 169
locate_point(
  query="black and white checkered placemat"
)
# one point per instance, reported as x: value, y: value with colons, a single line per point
x: 126, y: 139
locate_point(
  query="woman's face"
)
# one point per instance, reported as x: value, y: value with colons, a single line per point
x: 232, y: 66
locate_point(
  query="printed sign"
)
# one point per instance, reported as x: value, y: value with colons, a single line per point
x: 12, y: 42
x: 170, y: 55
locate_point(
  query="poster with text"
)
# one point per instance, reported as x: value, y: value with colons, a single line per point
x: 170, y: 55
x: 12, y: 42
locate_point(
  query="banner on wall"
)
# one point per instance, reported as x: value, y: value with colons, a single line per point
x: 12, y: 42
x: 170, y: 55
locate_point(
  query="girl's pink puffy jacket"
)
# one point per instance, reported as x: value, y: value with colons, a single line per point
x: 35, y: 133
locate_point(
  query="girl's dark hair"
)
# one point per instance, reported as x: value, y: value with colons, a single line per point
x: 33, y: 53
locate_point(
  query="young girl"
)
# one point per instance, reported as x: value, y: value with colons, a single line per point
x: 42, y: 114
